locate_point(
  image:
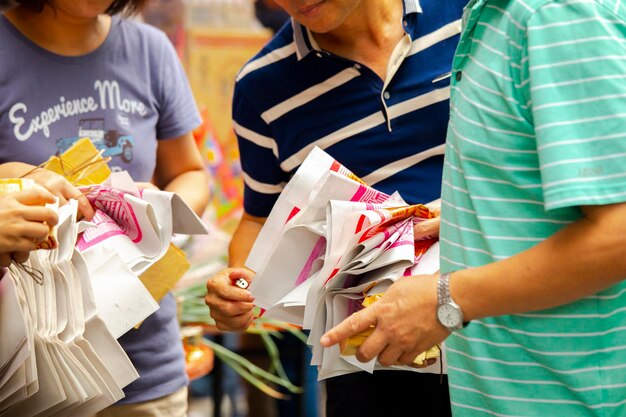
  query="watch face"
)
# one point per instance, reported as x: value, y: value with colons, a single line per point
x: 449, y: 316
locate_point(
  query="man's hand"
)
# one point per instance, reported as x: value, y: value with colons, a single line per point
x: 24, y: 221
x: 427, y: 228
x: 231, y: 306
x: 405, y: 320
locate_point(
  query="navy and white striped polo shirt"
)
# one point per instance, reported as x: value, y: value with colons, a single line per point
x: 293, y: 96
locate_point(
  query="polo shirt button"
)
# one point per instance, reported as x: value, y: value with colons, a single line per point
x: 459, y: 75
x: 357, y: 66
x: 405, y: 23
x: 386, y: 95
x: 318, y: 55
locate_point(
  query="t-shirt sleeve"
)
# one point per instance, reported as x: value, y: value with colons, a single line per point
x: 263, y: 178
x: 178, y: 112
x: 576, y: 55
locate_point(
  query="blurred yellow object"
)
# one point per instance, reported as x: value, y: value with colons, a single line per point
x: 349, y: 346
x: 432, y: 353
x: 199, y: 358
x: 81, y: 164
x: 161, y: 277
x: 11, y: 185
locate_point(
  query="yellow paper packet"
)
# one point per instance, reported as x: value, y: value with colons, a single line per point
x: 161, y: 276
x: 81, y: 164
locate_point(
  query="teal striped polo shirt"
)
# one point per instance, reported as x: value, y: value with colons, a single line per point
x: 537, y: 129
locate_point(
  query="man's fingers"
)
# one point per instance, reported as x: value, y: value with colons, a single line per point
x: 354, y: 324
x: 435, y: 207
x: 426, y: 228
x: 387, y: 356
x: 232, y: 323
x: 226, y: 288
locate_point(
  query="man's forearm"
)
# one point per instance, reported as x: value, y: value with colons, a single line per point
x: 243, y: 240
x: 580, y: 260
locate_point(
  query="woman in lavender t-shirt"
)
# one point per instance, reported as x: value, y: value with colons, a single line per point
x: 73, y: 68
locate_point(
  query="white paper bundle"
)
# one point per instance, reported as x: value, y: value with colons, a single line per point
x: 329, y: 240
x: 58, y: 368
x: 62, y: 311
x: 131, y: 230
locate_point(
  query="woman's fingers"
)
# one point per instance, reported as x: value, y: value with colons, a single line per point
x: 5, y: 259
x: 20, y: 257
x: 63, y: 189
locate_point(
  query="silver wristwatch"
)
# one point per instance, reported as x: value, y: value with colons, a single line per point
x: 449, y: 313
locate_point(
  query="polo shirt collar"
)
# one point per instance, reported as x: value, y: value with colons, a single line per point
x: 305, y: 42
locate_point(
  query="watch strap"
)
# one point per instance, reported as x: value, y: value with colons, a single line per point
x: 443, y: 293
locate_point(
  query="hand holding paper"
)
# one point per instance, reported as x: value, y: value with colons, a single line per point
x: 63, y: 189
x: 328, y: 239
x: 350, y: 345
x: 402, y: 331
x: 24, y: 221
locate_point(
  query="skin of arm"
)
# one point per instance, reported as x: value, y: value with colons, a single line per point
x: 579, y: 260
x: 24, y: 221
x: 231, y: 306
x: 179, y: 169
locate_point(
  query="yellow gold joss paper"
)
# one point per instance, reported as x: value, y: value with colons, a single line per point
x: 80, y: 164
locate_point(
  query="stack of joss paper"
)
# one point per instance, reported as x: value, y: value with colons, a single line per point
x: 330, y: 242
x: 62, y: 311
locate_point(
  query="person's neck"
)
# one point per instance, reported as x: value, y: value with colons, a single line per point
x: 368, y: 35
x: 59, y: 32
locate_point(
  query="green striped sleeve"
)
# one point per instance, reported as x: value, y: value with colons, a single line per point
x: 576, y: 65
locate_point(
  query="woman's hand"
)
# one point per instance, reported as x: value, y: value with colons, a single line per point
x: 62, y: 188
x: 24, y: 221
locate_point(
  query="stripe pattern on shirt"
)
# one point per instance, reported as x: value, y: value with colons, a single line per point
x: 292, y: 96
x: 537, y: 129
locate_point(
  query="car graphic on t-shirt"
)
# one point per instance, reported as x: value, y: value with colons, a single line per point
x: 113, y: 142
